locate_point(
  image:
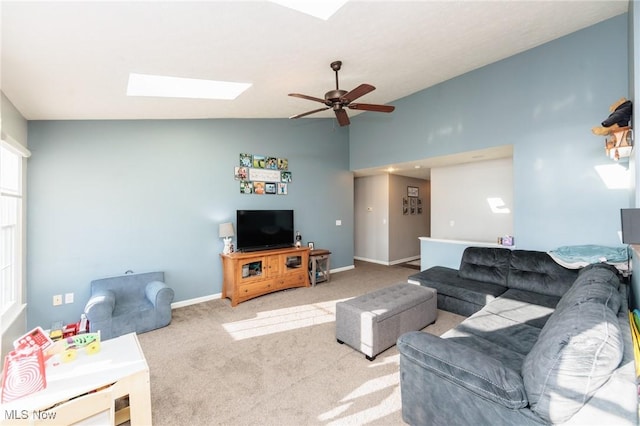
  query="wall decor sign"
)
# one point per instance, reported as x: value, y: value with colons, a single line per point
x: 263, y: 174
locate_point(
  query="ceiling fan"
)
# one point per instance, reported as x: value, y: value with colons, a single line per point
x: 339, y: 99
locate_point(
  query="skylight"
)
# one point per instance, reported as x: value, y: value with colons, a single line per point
x: 177, y: 87
x: 320, y: 9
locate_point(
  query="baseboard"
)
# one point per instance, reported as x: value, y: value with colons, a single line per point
x: 344, y: 268
x: 183, y: 303
x: 365, y: 259
x: 386, y: 263
x: 405, y: 260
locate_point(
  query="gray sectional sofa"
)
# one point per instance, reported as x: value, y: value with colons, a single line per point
x: 542, y: 345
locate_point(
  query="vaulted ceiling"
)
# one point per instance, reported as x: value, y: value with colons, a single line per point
x: 71, y: 60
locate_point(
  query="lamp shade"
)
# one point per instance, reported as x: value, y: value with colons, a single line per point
x: 225, y: 230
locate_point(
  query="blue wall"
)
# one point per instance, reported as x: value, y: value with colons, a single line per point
x: 543, y: 101
x: 108, y: 196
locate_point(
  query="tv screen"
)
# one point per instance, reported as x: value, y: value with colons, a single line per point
x: 264, y: 229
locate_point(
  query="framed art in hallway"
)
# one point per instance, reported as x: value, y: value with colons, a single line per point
x: 413, y: 191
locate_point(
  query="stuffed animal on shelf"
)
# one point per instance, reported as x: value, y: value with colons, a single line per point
x: 619, y: 118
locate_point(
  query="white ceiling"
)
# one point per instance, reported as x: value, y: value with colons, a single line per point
x: 71, y: 60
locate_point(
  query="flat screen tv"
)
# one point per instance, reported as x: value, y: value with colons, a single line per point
x: 264, y: 229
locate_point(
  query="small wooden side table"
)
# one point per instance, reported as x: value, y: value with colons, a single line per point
x: 319, y: 266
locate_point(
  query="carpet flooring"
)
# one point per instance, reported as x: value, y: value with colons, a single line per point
x: 274, y: 360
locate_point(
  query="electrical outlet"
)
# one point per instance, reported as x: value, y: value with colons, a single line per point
x: 57, y: 300
x: 68, y: 298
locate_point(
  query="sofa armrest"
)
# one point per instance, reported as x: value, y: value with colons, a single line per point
x: 100, y: 306
x: 465, y: 367
x: 158, y: 293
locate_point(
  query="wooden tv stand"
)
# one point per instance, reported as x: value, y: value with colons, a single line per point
x: 249, y: 275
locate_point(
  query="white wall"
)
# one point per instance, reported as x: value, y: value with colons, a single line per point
x: 371, y: 218
x: 459, y: 206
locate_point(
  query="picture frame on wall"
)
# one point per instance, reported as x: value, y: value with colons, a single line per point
x: 258, y: 188
x: 246, y: 160
x: 241, y: 173
x: 282, y: 188
x: 413, y: 191
x: 246, y: 187
x: 259, y: 161
x: 271, y: 163
x: 269, y: 188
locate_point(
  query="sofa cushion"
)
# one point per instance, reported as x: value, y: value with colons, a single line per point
x: 480, y: 374
x: 490, y: 265
x: 598, y: 283
x: 504, y: 340
x: 537, y: 272
x: 577, y: 351
x: 447, y: 281
x: 533, y: 309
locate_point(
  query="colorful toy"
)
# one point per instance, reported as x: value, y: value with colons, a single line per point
x: 68, y: 347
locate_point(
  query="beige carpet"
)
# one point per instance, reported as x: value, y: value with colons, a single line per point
x: 274, y: 360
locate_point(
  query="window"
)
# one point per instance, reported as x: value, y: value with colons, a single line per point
x: 11, y: 227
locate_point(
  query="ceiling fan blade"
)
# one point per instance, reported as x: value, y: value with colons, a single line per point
x: 309, y: 112
x: 310, y: 98
x: 361, y: 90
x: 372, y: 107
x: 342, y: 117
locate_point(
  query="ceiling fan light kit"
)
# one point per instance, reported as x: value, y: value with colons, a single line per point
x: 339, y: 99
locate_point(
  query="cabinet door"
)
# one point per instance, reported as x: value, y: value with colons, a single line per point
x: 273, y: 266
x: 251, y: 269
x: 292, y: 263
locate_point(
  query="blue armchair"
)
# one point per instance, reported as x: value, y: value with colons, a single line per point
x: 129, y: 303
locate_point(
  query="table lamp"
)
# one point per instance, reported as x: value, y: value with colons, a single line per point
x: 225, y: 232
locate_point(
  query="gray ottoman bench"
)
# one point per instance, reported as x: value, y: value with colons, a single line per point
x: 372, y: 323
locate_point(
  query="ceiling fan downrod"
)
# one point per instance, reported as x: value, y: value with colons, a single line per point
x: 336, y: 65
